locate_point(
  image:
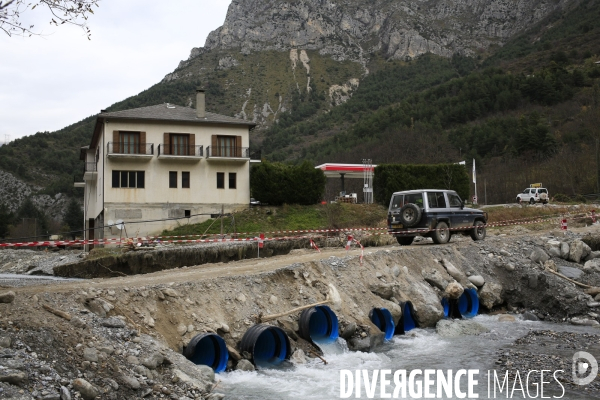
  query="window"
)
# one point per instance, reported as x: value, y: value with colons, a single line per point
x: 454, y: 200
x: 232, y: 179
x: 187, y: 213
x: 414, y: 198
x: 220, y: 180
x: 173, y: 179
x: 128, y: 179
x: 129, y: 142
x: 185, y: 179
x: 226, y: 146
x: 436, y: 200
x: 180, y: 145
x: 397, y: 201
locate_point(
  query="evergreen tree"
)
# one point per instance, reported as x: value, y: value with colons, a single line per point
x: 73, y: 216
x: 29, y: 210
x: 5, y: 220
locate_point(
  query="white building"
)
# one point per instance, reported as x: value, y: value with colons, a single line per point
x: 153, y: 167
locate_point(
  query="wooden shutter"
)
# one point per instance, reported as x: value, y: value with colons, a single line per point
x: 192, y: 144
x: 238, y: 146
x: 142, y: 143
x: 167, y: 143
x: 213, y: 146
x: 116, y: 145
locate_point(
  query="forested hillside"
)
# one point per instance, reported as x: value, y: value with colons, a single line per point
x: 529, y: 113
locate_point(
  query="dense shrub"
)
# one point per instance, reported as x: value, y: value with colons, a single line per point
x: 561, y: 198
x: 277, y: 183
x: 390, y: 178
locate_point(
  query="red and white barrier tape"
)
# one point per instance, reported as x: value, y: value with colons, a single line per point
x: 314, y: 245
x: 276, y: 232
x: 352, y: 240
x: 250, y: 239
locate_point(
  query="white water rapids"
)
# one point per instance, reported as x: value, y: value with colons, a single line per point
x: 420, y: 349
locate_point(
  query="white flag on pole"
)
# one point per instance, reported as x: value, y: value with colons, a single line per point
x: 474, y: 176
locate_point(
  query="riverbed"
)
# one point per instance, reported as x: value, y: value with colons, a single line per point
x: 419, y: 349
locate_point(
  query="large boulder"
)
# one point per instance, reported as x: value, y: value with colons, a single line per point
x: 553, y: 247
x: 383, y: 290
x: 554, y: 252
x: 453, y: 271
x: 244, y: 365
x: 454, y: 290
x: 368, y: 343
x: 424, y: 298
x: 578, y: 251
x: 490, y: 295
x: 7, y: 297
x: 570, y: 272
x: 593, y: 255
x: 592, y: 265
x: 394, y: 309
x: 565, y: 249
x: 477, y: 280
x: 434, y: 278
x: 459, y: 327
x: 538, y: 255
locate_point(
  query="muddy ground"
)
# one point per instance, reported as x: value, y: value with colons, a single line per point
x: 122, y: 337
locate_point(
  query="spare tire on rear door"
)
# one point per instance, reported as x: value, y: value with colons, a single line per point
x: 410, y: 215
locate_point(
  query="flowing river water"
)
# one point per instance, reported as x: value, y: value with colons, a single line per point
x: 420, y: 349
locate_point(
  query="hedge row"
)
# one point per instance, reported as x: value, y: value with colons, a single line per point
x: 390, y: 178
x: 277, y: 183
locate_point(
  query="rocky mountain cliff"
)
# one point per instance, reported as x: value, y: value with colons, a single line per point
x: 268, y: 49
x: 354, y: 29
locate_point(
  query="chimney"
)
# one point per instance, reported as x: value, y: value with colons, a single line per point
x: 200, y: 103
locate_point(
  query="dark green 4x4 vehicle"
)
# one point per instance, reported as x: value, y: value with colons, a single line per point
x: 434, y: 213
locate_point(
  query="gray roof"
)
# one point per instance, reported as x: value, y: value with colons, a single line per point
x: 172, y: 112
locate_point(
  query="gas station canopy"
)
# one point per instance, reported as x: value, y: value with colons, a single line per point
x: 348, y: 170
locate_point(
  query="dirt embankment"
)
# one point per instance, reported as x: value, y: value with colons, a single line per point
x: 172, y: 306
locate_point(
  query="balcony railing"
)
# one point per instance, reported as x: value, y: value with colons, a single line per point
x: 90, y: 167
x: 130, y: 148
x: 227, y: 152
x: 256, y: 155
x: 180, y: 150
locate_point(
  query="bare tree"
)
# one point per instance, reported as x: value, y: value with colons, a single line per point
x: 74, y: 12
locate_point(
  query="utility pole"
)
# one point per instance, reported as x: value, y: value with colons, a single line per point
x: 221, y: 220
x: 597, y: 166
x: 485, y: 191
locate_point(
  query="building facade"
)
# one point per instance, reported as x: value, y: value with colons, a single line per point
x: 153, y: 168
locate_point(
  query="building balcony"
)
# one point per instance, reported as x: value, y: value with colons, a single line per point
x: 256, y: 157
x: 77, y: 181
x: 130, y: 151
x: 180, y: 152
x: 227, y: 153
x: 90, y: 171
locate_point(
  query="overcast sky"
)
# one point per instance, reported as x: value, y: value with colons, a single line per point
x: 52, y: 81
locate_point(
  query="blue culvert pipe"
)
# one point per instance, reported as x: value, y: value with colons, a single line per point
x: 318, y: 325
x: 468, y: 303
x: 382, y: 318
x: 446, y: 307
x: 208, y: 349
x: 268, y: 345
